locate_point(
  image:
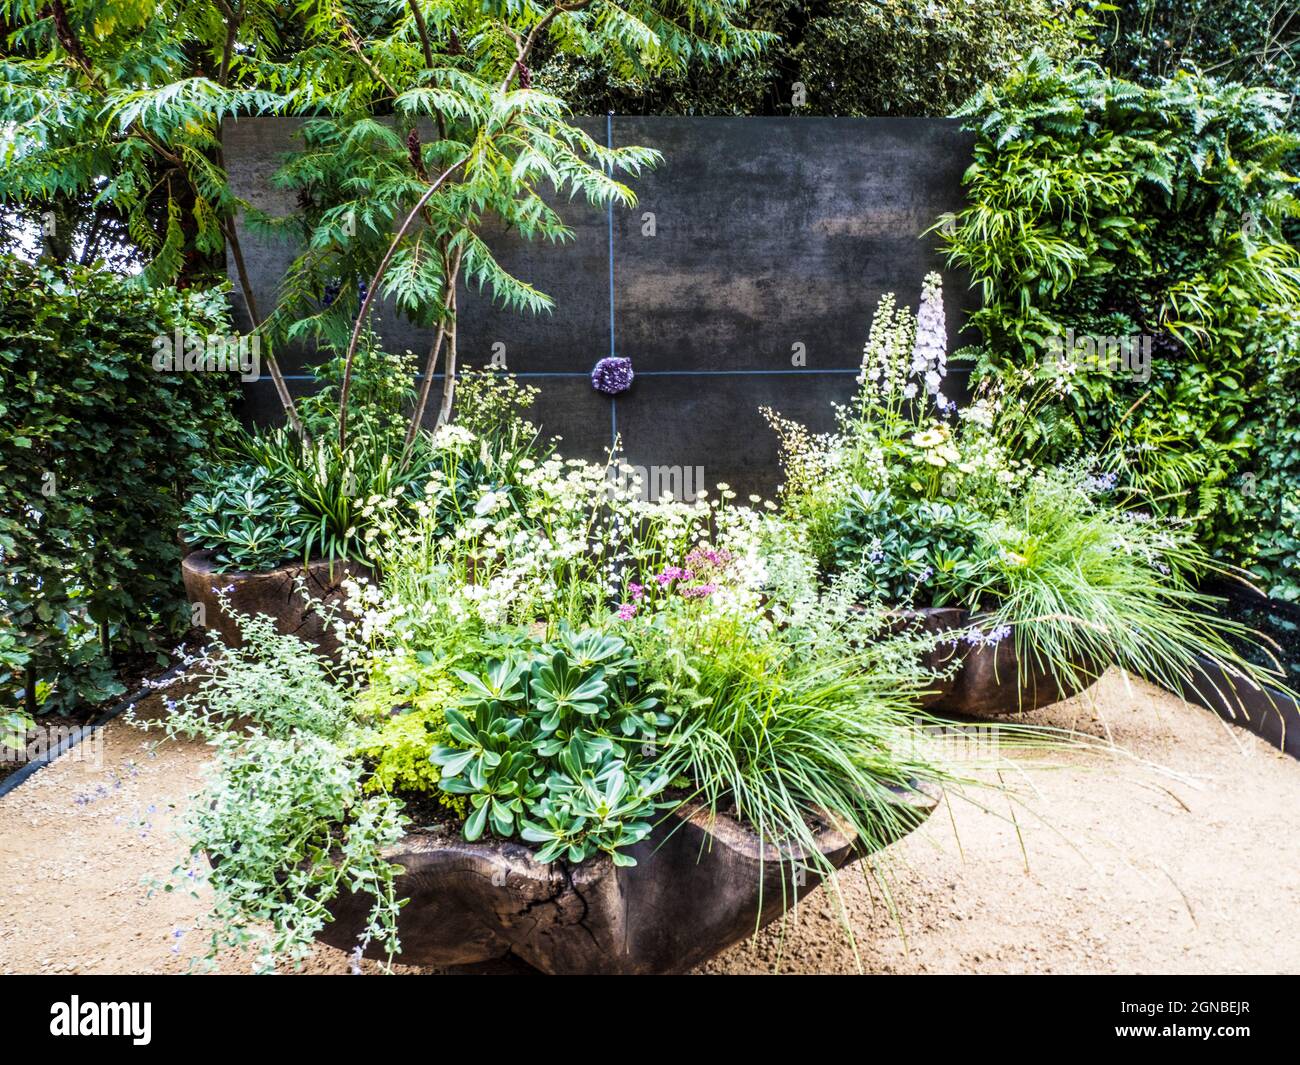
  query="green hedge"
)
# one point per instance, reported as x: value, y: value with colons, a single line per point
x: 1256, y: 42
x: 96, y: 454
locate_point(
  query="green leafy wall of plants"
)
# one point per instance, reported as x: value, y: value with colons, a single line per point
x: 1116, y: 210
x: 95, y: 456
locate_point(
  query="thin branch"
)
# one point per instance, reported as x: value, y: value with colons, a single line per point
x: 449, y: 374
x: 233, y: 21
x: 423, y: 30
x: 68, y: 37
x: 365, y: 60
x: 431, y: 364
x: 364, y: 311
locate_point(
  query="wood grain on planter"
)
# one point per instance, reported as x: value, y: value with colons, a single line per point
x: 992, y: 680
x: 274, y: 593
x: 701, y: 884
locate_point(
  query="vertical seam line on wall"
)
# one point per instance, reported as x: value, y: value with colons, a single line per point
x: 609, y: 222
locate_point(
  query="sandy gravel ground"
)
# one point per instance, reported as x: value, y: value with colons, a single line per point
x: 1179, y: 856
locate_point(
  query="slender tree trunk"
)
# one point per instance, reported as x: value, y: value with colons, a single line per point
x: 431, y: 364
x: 277, y: 377
x: 449, y: 378
x: 364, y: 313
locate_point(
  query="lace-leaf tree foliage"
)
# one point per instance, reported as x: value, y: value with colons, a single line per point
x: 116, y: 108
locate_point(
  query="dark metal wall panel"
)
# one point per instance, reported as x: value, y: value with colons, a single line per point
x: 767, y: 233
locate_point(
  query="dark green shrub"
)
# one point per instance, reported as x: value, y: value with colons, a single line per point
x: 1252, y: 41
x: 95, y: 459
x: 852, y: 57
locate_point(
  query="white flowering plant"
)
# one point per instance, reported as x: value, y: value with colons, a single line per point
x: 544, y: 655
x: 902, y: 487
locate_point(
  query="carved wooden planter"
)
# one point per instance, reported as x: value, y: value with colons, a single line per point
x: 991, y: 680
x: 700, y: 885
x: 273, y: 593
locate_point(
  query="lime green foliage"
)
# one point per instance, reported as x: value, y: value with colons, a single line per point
x: 406, y: 678
x: 406, y: 696
x: 96, y: 453
x: 398, y: 755
x: 1115, y: 210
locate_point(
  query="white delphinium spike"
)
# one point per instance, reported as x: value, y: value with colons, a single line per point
x: 930, y: 351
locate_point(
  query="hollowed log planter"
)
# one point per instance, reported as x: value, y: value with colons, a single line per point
x: 992, y: 680
x: 700, y: 885
x: 274, y: 593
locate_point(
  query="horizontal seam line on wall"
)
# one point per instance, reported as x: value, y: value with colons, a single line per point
x: 647, y: 373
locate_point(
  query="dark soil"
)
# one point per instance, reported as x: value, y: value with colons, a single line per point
x: 424, y: 810
x: 1278, y: 622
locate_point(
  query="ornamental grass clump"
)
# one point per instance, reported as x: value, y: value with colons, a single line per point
x: 790, y: 705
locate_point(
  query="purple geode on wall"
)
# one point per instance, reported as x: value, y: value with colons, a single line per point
x: 612, y: 375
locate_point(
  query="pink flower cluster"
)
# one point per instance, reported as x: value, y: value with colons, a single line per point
x: 708, y: 557
x: 704, y: 564
x: 674, y: 573
x: 699, y: 591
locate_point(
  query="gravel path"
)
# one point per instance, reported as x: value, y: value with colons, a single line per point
x: 1178, y: 857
